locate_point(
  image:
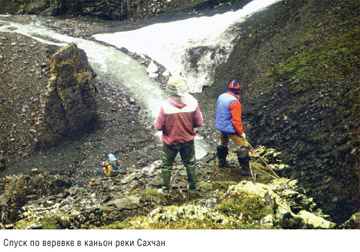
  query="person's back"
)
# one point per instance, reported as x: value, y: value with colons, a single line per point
x: 178, y: 117
x: 223, y: 114
x: 228, y: 123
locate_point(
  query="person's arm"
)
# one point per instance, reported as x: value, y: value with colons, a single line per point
x: 198, y: 122
x: 160, y: 120
x: 235, y: 109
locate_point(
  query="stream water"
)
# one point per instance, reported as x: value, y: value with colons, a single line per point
x: 176, y: 45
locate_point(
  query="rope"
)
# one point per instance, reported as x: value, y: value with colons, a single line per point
x: 264, y: 171
x: 252, y: 174
x: 266, y: 164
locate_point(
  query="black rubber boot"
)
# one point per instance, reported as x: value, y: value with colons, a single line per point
x: 245, y: 166
x: 222, y: 152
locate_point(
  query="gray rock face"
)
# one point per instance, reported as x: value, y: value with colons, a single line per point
x: 108, y: 9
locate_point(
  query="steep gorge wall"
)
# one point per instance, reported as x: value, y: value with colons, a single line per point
x: 299, y: 67
x: 119, y: 9
x: 108, y: 9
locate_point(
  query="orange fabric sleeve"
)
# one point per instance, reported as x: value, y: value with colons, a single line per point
x: 235, y: 109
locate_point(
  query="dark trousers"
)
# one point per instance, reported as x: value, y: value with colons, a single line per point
x: 187, y: 153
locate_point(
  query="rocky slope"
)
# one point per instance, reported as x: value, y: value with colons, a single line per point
x: 295, y: 99
x: 299, y: 67
x: 114, y: 132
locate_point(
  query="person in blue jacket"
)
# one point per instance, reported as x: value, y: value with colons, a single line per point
x: 228, y: 123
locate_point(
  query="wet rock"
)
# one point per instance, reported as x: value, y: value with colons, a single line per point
x: 127, y: 203
x: 152, y: 69
x: 2, y: 162
x: 128, y: 179
x: 210, y: 203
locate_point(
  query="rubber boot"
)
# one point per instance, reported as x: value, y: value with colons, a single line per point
x: 245, y: 166
x: 191, y: 178
x: 222, y: 152
x: 165, y: 181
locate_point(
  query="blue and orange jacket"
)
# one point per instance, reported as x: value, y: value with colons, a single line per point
x: 228, y: 114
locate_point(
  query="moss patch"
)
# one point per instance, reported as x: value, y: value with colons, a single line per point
x: 333, y: 59
x: 248, y: 207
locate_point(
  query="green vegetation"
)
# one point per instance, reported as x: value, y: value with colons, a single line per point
x: 352, y: 100
x: 333, y: 59
x: 152, y: 193
x: 205, y: 223
x: 223, y: 185
x: 314, y: 137
x: 264, y: 174
x: 237, y: 212
x: 116, y: 225
x: 51, y: 222
x: 245, y: 206
x: 205, y: 186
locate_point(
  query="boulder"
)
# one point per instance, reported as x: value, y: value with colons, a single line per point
x: 310, y: 220
x: 68, y: 105
x: 292, y: 208
x: 129, y: 203
x: 352, y: 223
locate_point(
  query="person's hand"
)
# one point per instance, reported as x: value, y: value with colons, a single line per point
x: 243, y: 135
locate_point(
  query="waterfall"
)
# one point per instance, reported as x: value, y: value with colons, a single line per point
x: 206, y: 39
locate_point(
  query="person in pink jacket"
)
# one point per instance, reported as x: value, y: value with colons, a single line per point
x: 178, y: 117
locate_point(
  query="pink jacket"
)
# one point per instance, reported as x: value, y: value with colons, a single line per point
x: 178, y: 120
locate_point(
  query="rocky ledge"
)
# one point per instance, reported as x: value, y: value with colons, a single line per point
x: 225, y: 200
